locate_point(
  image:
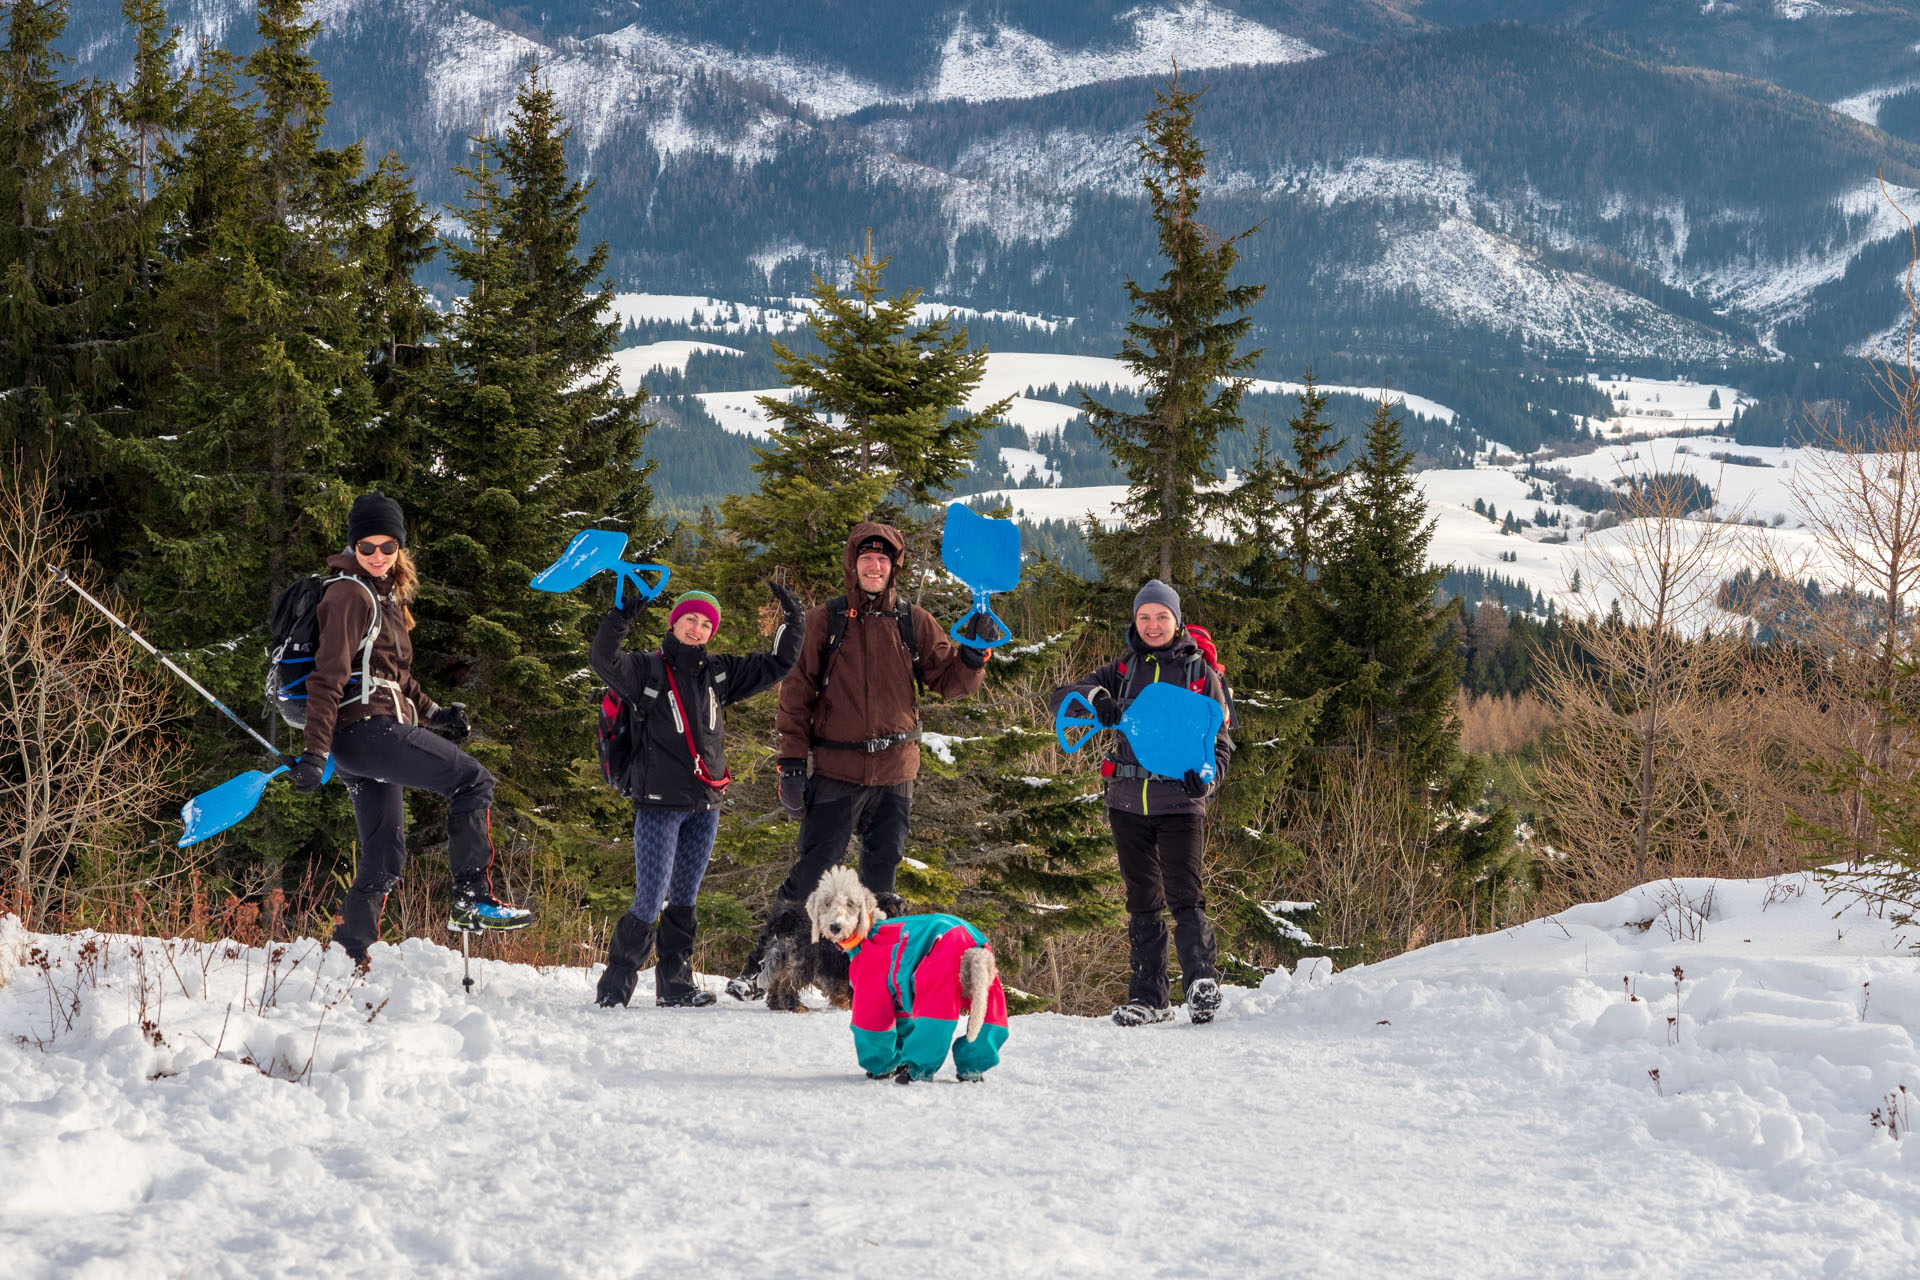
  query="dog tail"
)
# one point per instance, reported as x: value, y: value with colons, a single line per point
x: 977, y: 972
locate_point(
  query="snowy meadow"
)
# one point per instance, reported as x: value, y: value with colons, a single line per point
x: 1699, y: 1077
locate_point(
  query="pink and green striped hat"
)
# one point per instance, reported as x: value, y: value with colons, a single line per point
x: 695, y: 602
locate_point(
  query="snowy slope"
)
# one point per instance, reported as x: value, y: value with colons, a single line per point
x: 1480, y: 1107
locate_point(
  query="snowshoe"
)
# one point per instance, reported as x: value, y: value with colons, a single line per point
x: 481, y: 912
x: 1140, y: 1015
x: 746, y: 987
x: 970, y: 1077
x: 1203, y: 997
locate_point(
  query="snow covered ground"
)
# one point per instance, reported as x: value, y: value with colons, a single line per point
x: 1497, y: 1106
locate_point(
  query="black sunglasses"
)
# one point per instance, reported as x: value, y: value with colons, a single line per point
x: 386, y: 548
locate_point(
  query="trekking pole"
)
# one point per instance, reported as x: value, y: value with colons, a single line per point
x: 62, y: 576
x: 466, y: 964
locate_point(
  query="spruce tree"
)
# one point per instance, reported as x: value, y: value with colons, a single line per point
x: 148, y: 106
x: 261, y: 308
x: 1184, y: 345
x: 526, y: 439
x: 1380, y: 647
x: 71, y: 238
x: 873, y: 430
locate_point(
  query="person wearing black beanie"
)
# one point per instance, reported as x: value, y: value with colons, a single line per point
x: 365, y: 709
x: 373, y: 515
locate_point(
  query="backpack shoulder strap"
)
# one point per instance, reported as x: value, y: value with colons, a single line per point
x: 903, y: 615
x: 836, y: 632
x: 366, y: 643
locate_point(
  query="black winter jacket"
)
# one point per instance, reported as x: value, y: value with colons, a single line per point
x: 1124, y: 678
x: 662, y: 775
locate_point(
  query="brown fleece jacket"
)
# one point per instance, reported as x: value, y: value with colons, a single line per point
x: 869, y: 692
x: 343, y: 614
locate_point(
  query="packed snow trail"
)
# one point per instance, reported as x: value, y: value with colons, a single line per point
x: 1480, y: 1108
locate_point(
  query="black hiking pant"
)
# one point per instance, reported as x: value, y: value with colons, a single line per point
x: 835, y: 812
x: 1160, y: 863
x: 379, y: 758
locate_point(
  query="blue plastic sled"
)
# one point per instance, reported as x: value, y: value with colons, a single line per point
x: 1170, y: 729
x: 985, y: 554
x: 591, y: 551
x: 211, y: 812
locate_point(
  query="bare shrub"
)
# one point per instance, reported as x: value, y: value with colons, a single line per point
x: 1665, y: 762
x: 83, y: 758
x: 1366, y: 838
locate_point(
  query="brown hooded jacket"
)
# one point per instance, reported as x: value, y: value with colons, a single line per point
x: 343, y: 614
x: 869, y: 691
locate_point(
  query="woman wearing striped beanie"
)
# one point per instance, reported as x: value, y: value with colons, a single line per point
x: 677, y: 775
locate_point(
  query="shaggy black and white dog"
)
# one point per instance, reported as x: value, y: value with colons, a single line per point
x: 797, y: 959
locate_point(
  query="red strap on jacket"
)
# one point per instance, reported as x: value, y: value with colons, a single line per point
x: 686, y: 727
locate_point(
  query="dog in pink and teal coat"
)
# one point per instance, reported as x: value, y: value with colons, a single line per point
x: 914, y: 978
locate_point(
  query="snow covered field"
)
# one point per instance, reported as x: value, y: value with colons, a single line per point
x: 1485, y: 1107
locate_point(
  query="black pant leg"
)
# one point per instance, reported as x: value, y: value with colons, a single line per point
x: 826, y: 825
x: 406, y: 755
x: 1136, y: 846
x: 1147, y: 960
x: 379, y: 815
x: 1182, y: 840
x: 883, y: 835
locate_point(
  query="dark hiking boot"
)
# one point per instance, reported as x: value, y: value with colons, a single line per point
x: 1203, y: 997
x: 626, y: 952
x: 1140, y: 1015
x: 673, y: 984
x: 478, y: 911
x: 751, y: 984
x: 698, y: 998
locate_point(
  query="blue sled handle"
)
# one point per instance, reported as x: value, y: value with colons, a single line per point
x: 1063, y: 721
x: 636, y: 573
x: 981, y: 606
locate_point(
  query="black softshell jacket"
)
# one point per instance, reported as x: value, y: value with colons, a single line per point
x: 1153, y: 796
x: 662, y: 775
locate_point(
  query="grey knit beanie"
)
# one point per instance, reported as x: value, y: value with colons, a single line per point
x: 1158, y: 592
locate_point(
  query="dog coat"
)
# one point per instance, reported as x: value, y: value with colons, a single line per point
x: 907, y: 1002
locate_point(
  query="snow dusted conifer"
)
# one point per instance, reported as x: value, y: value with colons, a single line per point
x: 1379, y: 646
x: 261, y: 308
x: 526, y: 438
x: 71, y: 240
x: 1184, y: 342
x: 874, y: 430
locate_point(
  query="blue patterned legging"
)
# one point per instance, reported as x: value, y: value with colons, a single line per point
x: 670, y: 851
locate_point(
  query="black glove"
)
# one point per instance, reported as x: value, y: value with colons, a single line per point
x: 304, y: 776
x: 633, y: 605
x: 793, y: 787
x: 1193, y: 784
x: 788, y: 604
x: 1106, y: 708
x: 451, y: 720
x: 979, y: 627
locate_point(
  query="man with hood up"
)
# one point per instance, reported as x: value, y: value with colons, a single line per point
x: 851, y: 703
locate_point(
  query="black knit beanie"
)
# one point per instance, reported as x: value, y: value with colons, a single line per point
x: 373, y: 515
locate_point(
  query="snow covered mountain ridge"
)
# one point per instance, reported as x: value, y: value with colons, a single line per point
x: 1510, y: 188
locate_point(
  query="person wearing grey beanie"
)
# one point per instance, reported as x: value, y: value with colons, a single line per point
x: 1159, y: 824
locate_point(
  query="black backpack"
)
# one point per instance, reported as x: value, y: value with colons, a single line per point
x: 839, y: 614
x: 616, y: 734
x: 294, y: 632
